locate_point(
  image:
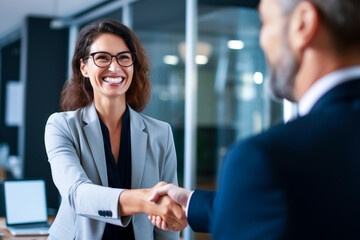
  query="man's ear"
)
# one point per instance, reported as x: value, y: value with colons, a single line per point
x: 303, y: 25
x: 83, y: 68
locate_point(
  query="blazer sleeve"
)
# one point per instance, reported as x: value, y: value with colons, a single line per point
x: 83, y: 196
x: 169, y: 175
x: 250, y: 204
x: 200, y: 210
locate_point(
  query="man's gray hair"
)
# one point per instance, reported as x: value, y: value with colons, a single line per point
x: 341, y: 17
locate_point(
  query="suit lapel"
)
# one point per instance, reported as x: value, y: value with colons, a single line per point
x: 95, y: 141
x: 139, y: 139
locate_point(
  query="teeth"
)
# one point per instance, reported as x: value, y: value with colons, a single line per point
x: 113, y: 80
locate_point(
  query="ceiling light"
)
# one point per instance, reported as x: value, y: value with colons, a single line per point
x: 235, y: 44
x: 258, y: 78
x: 171, y: 59
x: 203, y: 49
x: 201, y: 59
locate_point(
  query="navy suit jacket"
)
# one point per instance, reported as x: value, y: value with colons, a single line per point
x: 299, y: 180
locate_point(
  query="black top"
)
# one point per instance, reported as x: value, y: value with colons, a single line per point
x: 119, y: 175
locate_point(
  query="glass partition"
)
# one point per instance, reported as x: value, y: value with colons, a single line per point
x: 160, y: 25
x: 233, y: 102
x: 232, y: 99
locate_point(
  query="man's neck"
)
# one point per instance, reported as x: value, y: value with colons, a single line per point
x: 317, y: 64
x: 325, y: 84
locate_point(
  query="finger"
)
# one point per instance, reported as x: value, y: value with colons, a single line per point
x: 153, y: 221
x: 176, y: 228
x: 160, y: 184
x: 176, y: 225
x: 158, y: 222
x: 154, y: 197
x: 164, y: 226
x: 181, y: 223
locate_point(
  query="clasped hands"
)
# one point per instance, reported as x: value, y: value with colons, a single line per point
x: 169, y: 206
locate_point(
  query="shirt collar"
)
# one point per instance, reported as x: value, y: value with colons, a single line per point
x: 324, y: 84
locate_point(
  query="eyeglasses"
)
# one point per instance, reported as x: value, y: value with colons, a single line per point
x: 104, y: 59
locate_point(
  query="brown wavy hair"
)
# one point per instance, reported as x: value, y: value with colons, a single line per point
x: 77, y: 91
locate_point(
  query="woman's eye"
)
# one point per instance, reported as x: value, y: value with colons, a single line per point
x: 102, y: 57
x: 124, y: 57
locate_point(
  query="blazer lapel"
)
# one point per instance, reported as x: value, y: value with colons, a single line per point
x: 139, y: 139
x: 95, y: 141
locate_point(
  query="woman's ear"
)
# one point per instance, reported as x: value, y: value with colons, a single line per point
x: 83, y: 68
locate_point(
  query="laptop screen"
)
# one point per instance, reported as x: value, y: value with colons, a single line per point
x: 25, y: 201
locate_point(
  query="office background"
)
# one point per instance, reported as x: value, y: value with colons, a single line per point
x: 224, y: 94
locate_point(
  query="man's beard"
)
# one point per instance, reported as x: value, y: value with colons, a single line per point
x: 282, y: 74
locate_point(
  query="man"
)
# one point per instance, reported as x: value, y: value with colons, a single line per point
x: 300, y: 180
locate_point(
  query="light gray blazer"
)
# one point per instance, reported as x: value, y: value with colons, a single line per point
x: 75, y: 148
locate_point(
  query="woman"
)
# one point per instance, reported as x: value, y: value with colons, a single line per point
x: 100, y: 146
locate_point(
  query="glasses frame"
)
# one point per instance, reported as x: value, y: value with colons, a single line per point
x: 133, y: 55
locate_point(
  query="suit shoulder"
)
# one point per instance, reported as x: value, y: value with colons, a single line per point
x: 284, y: 132
x: 69, y: 117
x: 153, y: 122
x: 284, y: 139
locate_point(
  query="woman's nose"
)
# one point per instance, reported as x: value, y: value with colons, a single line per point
x: 114, y: 64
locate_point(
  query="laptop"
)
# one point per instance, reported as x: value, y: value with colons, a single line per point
x: 25, y: 207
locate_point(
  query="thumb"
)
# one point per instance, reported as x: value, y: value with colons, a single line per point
x: 159, y: 184
x: 158, y: 192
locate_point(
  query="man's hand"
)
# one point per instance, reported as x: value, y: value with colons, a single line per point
x: 179, y: 195
x: 171, y: 213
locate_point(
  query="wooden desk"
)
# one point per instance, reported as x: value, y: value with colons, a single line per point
x: 8, y: 236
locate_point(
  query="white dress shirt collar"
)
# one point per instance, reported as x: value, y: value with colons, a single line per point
x: 324, y: 84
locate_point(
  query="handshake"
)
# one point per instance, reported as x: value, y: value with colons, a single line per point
x: 169, y: 206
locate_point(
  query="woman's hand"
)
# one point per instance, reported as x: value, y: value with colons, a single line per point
x: 135, y: 201
x: 179, y: 195
x: 169, y: 215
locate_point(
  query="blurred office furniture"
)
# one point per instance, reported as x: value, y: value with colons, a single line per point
x: 9, y: 164
x: 2, y: 200
x: 4, y: 155
x: 8, y: 236
x: 37, y: 60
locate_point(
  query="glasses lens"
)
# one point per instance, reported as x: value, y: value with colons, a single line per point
x: 125, y: 59
x: 102, y: 59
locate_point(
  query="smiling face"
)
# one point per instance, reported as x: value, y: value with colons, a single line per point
x: 114, y: 80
